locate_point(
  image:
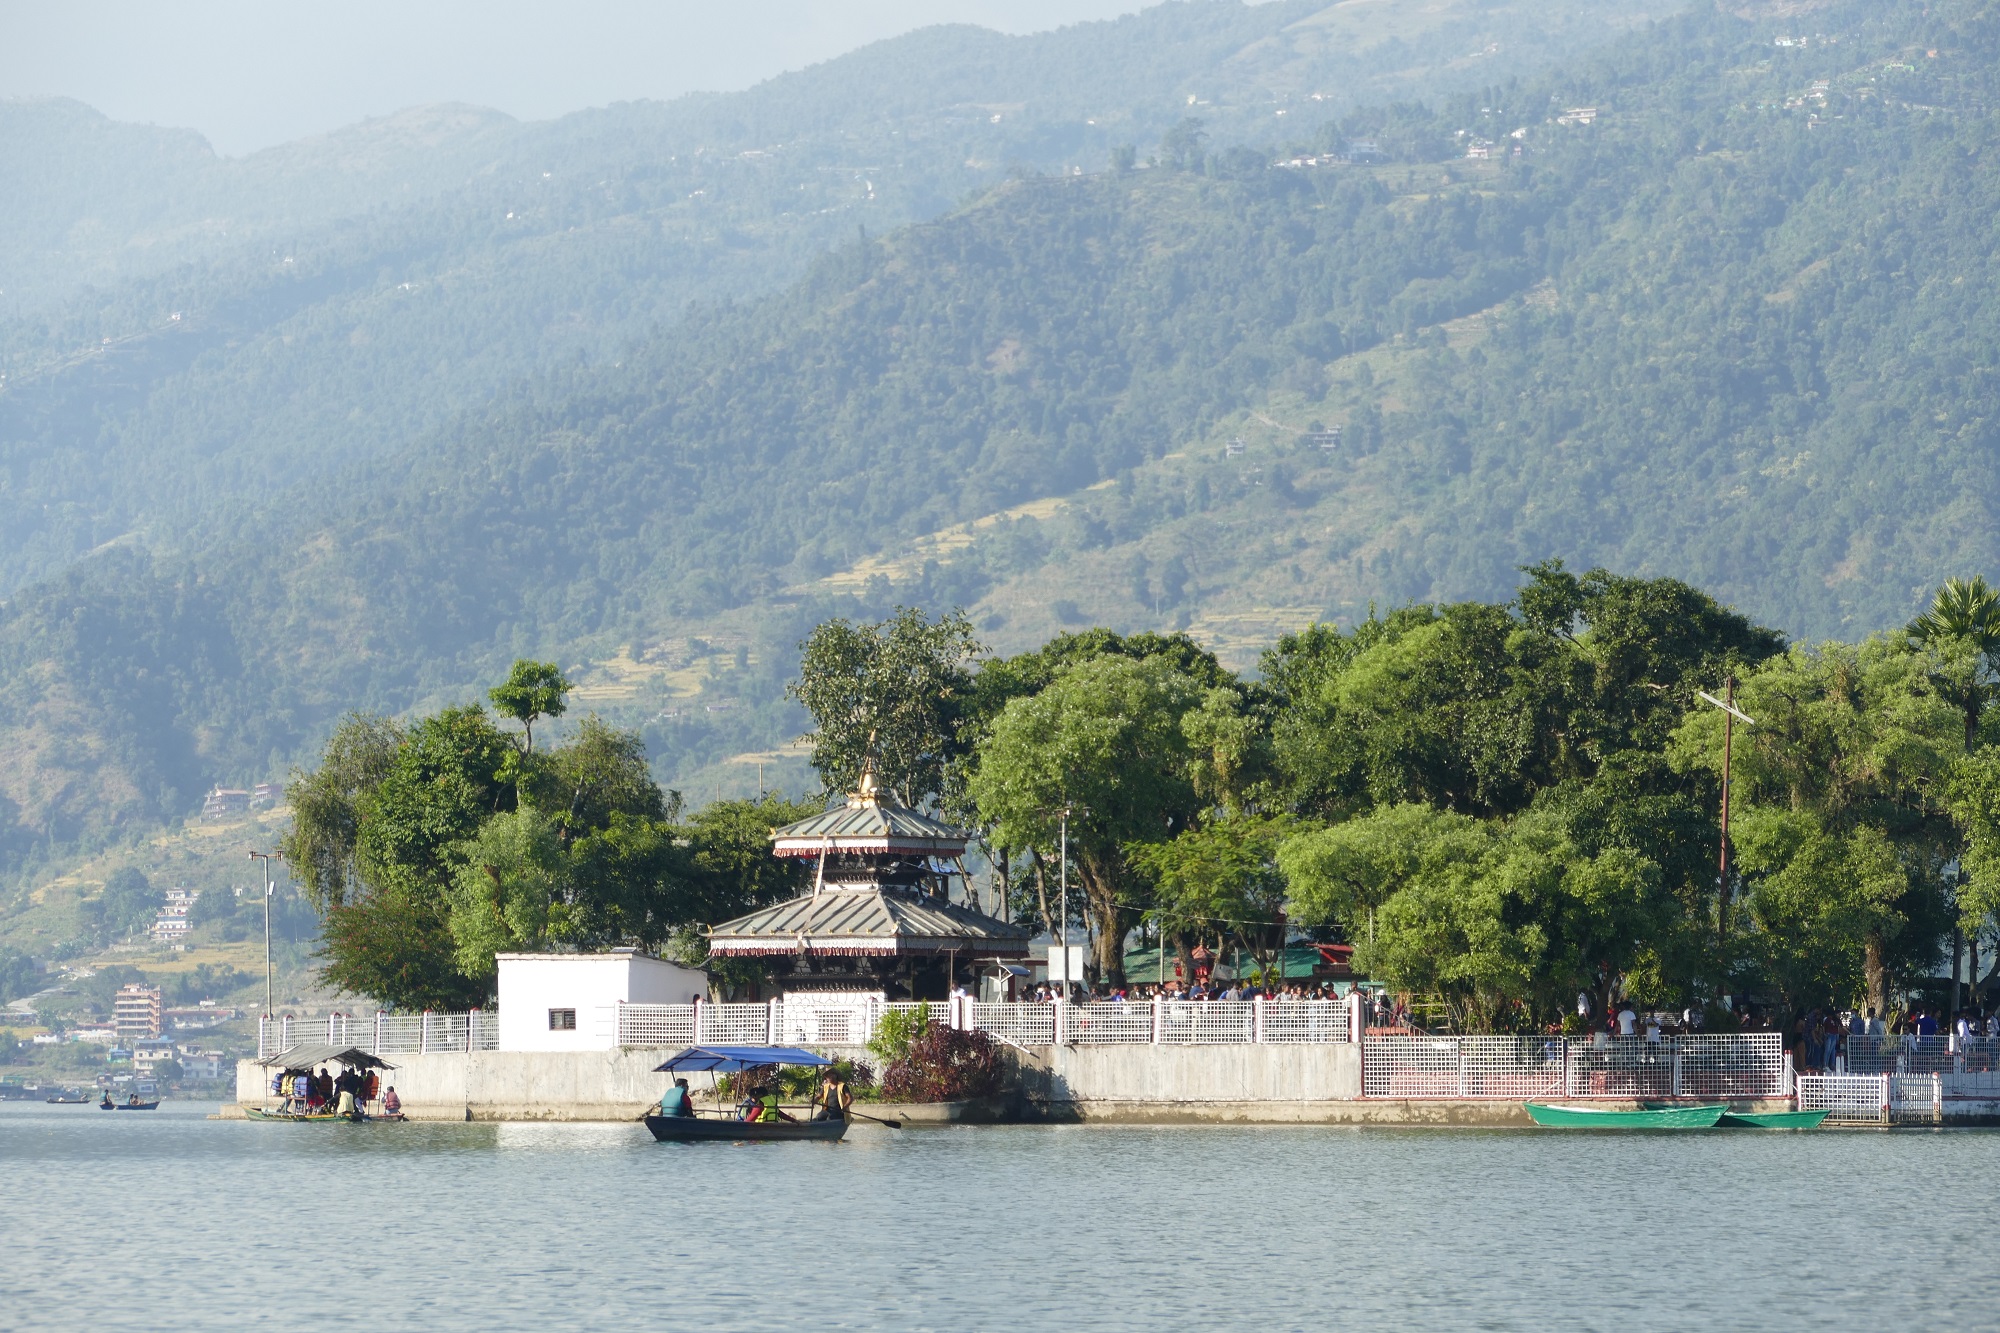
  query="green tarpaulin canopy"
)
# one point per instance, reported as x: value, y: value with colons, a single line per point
x: 1299, y: 962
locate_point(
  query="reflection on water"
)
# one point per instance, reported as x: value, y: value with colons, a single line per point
x: 558, y: 1226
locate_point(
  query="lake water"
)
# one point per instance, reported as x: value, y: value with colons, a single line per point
x: 171, y: 1221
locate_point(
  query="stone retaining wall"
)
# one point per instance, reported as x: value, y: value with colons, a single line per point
x: 1140, y: 1083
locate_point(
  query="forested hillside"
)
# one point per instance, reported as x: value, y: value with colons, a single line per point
x: 181, y: 335
x: 1734, y: 326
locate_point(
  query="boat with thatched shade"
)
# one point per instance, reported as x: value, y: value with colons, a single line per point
x: 880, y: 914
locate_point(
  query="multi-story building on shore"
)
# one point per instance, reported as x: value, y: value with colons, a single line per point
x: 136, y: 1012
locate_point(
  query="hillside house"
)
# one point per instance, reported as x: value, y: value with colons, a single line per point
x: 225, y: 801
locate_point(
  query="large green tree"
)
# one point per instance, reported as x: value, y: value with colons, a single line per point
x: 1105, y: 741
x: 430, y: 847
x: 891, y: 692
x: 1856, y: 743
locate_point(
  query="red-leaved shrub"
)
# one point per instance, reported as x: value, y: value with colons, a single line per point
x: 945, y: 1065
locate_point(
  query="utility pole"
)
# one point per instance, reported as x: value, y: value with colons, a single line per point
x: 270, y: 888
x: 1731, y: 715
x: 1062, y: 879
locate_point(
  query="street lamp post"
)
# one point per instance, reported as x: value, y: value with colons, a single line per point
x: 270, y: 887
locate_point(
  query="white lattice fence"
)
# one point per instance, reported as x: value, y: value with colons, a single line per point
x: 1304, y: 1022
x: 1516, y: 1068
x: 1916, y: 1098
x: 1111, y: 1023
x: 1022, y: 1024
x: 1847, y: 1098
x: 399, y: 1034
x: 1731, y: 1067
x: 735, y: 1024
x: 384, y: 1034
x: 656, y: 1024
x: 1718, y: 1067
x: 1207, y: 1023
x: 1410, y: 1067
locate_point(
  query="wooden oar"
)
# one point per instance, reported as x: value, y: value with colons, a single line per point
x: 892, y: 1124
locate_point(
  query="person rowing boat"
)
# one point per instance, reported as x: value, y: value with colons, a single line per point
x: 833, y: 1099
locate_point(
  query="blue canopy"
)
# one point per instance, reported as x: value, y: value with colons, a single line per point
x: 732, y: 1059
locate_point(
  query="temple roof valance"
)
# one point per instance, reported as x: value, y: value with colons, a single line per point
x: 873, y: 922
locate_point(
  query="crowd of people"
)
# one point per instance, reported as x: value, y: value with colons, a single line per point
x: 1824, y: 1039
x: 1202, y: 989
x: 344, y: 1093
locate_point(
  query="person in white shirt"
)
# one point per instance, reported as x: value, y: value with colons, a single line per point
x: 1626, y: 1018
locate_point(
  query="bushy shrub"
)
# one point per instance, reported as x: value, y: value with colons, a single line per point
x: 944, y: 1065
x: 895, y: 1033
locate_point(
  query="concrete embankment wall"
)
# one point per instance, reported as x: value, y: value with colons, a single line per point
x: 1265, y: 1084
x: 1251, y: 1084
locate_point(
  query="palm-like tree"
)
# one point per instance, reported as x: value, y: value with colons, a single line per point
x: 1965, y: 611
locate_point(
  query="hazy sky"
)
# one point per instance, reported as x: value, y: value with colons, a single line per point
x: 249, y: 74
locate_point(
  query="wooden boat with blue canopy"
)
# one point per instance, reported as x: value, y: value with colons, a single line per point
x: 1609, y: 1117
x: 733, y: 1128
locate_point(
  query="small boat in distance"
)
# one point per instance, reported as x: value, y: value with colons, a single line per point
x: 69, y: 1097
x: 1605, y: 1117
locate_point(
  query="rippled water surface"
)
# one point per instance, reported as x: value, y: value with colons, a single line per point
x: 169, y: 1221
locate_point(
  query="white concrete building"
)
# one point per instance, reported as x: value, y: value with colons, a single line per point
x: 568, y: 1001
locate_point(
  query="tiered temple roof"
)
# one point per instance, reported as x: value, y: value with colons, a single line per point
x: 878, y: 892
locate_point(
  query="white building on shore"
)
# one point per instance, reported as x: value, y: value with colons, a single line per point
x: 569, y: 1001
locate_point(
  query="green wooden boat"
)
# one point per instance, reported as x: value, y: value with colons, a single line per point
x: 1605, y: 1117
x: 1773, y: 1119
x: 1758, y: 1119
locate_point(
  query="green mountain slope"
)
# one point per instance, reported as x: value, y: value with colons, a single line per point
x: 1733, y: 326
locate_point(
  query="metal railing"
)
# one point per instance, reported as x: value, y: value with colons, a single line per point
x: 1853, y: 1099
x: 1018, y: 1024
x: 1109, y: 1023
x: 1714, y: 1067
x: 1304, y: 1022
x: 383, y: 1033
x: 837, y: 1019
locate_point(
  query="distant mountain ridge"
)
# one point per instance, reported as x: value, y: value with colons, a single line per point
x: 1698, y: 332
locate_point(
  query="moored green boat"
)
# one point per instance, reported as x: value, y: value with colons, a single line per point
x: 1773, y: 1119
x: 1605, y: 1117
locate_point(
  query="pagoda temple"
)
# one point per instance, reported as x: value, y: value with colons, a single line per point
x: 879, y: 914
